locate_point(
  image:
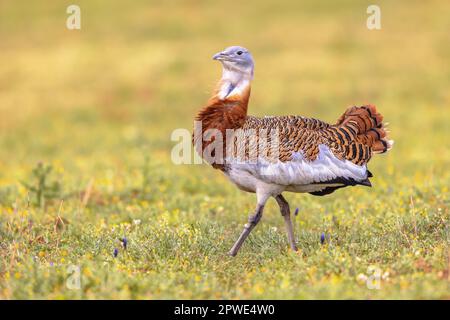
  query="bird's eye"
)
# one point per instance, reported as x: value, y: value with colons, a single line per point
x: 239, y: 53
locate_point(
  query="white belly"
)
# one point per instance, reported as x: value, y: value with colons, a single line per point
x: 246, y: 181
x: 298, y: 175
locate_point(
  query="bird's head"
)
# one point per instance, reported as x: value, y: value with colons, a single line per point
x: 236, y: 59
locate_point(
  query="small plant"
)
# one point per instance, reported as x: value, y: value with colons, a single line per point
x: 146, y: 175
x: 124, y: 241
x: 322, y: 238
x: 41, y: 186
x: 147, y: 189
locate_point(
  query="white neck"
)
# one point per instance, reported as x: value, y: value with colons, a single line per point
x: 234, y: 82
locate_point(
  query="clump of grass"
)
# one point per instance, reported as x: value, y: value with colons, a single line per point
x: 41, y: 185
x: 146, y: 186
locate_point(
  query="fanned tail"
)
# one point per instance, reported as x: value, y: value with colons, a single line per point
x: 366, y: 125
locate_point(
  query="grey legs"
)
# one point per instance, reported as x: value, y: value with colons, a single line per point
x: 254, y: 219
x: 286, y: 213
x: 252, y: 222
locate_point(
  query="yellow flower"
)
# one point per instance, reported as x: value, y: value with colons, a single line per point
x: 285, y: 283
x: 87, y: 272
x: 258, y: 289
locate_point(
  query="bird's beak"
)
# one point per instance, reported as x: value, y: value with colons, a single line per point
x: 220, y: 56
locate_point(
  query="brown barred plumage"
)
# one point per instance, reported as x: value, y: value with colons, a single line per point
x: 357, y: 134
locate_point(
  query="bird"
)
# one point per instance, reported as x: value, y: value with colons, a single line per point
x: 275, y: 154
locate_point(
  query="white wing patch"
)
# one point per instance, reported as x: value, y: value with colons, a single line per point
x: 300, y: 171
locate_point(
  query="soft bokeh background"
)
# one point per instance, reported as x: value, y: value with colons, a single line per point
x: 99, y: 105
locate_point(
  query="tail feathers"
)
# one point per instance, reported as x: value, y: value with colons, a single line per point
x: 366, y: 125
x: 382, y: 146
x: 345, y: 183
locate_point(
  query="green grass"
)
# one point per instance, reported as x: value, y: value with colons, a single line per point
x: 99, y: 105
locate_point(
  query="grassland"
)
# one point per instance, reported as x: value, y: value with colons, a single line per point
x: 99, y: 105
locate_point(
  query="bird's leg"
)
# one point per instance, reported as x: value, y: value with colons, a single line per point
x: 286, y: 213
x: 252, y: 222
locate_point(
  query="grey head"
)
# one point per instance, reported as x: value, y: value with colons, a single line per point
x: 237, y: 59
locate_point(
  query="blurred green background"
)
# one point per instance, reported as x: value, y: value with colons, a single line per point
x: 99, y: 105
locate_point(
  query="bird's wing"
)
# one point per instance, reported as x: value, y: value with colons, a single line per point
x: 311, y: 151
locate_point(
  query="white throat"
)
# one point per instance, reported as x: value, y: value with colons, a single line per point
x: 234, y: 81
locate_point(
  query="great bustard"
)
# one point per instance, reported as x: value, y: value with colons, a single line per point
x: 298, y: 155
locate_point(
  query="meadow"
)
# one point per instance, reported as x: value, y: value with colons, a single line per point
x: 85, y: 123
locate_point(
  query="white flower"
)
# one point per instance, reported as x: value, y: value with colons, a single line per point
x: 361, y: 278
